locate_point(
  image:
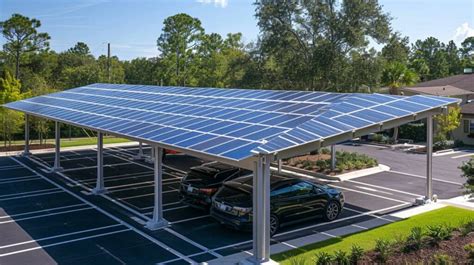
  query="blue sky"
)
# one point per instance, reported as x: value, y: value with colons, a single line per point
x: 132, y: 26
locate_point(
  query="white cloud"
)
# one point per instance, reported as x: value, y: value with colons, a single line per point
x: 462, y: 32
x: 221, y: 3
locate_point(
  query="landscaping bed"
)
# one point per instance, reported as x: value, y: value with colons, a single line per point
x: 22, y: 147
x: 321, y: 162
x: 420, y: 239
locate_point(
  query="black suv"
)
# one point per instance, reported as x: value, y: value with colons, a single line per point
x: 203, y: 181
x: 291, y: 200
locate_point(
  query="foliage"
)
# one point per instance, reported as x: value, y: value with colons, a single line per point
x: 396, y: 75
x: 438, y: 233
x: 470, y: 251
x: 448, y: 122
x: 356, y: 254
x: 323, y: 258
x: 442, y: 259
x: 413, y: 131
x: 352, y: 160
x: 467, y: 226
x: 383, y: 249
x: 22, y: 37
x: 467, y: 169
x: 366, y: 239
x: 414, y: 239
x: 11, y: 121
x: 341, y: 258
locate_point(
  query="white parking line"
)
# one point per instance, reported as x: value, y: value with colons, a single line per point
x: 93, y: 167
x: 373, y: 190
x: 19, y: 180
x: 460, y: 156
x: 189, y: 219
x: 62, y: 243
x: 59, y: 236
x: 27, y: 192
x: 32, y: 195
x: 16, y: 178
x: 367, y: 193
x: 384, y: 188
x: 143, y: 234
x: 424, y: 177
x: 359, y: 226
x: 45, y: 215
x: 144, y: 195
x: 40, y: 211
x: 207, y: 250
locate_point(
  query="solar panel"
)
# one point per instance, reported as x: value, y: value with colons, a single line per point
x: 227, y: 123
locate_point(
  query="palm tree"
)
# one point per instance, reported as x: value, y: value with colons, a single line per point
x: 397, y: 75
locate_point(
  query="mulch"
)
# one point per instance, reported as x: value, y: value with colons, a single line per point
x: 454, y: 248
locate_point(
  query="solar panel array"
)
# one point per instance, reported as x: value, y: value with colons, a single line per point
x: 228, y: 123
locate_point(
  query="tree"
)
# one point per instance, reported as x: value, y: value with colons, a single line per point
x: 395, y: 76
x: 178, y: 43
x: 433, y: 52
x: 397, y: 49
x: 309, y: 40
x: 22, y: 37
x: 10, y: 90
x: 80, y: 49
x: 467, y: 169
x: 141, y: 71
x: 448, y: 122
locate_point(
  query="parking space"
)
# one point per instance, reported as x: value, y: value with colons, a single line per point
x: 44, y: 223
x: 36, y: 212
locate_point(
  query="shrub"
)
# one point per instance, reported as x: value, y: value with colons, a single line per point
x: 383, y: 249
x: 413, y: 131
x: 437, y: 233
x: 341, y: 258
x: 441, y: 259
x: 470, y: 252
x: 467, y: 169
x: 322, y: 165
x: 323, y: 258
x: 467, y: 227
x: 356, y: 254
x: 414, y: 240
x: 325, y: 151
x: 298, y: 260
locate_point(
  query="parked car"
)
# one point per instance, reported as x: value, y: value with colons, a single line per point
x: 291, y: 200
x: 202, y: 182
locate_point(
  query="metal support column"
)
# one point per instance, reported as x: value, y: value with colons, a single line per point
x: 26, y: 151
x: 151, y: 158
x: 100, y: 186
x: 261, y: 212
x: 333, y: 157
x: 157, y: 221
x: 57, y: 145
x: 279, y: 165
x: 429, y: 158
x: 139, y: 156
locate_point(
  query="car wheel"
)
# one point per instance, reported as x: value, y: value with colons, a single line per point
x: 274, y: 224
x: 332, y: 211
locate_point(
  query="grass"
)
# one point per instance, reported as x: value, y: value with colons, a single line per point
x: 65, y: 142
x: 451, y: 216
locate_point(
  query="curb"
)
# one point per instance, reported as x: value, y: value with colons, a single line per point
x: 346, y: 176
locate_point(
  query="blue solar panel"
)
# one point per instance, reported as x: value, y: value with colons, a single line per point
x: 229, y: 123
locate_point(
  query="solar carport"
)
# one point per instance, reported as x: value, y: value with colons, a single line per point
x: 241, y: 127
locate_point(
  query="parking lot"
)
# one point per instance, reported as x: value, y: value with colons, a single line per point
x: 52, y: 218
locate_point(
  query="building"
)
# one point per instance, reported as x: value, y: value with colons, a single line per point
x: 458, y: 86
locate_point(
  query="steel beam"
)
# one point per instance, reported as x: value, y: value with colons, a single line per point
x: 57, y: 147
x: 26, y: 151
x: 157, y: 221
x: 333, y: 157
x: 429, y: 158
x: 261, y: 212
x: 100, y: 186
x: 139, y: 156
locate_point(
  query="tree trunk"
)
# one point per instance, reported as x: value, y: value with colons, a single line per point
x: 17, y: 64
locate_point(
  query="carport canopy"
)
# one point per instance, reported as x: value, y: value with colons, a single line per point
x: 241, y: 127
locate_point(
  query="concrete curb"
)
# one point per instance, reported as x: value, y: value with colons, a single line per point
x: 346, y: 176
x: 462, y: 202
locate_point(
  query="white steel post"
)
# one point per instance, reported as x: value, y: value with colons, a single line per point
x: 279, y: 165
x: 261, y: 211
x: 333, y: 157
x: 26, y: 151
x: 57, y: 145
x: 429, y: 158
x: 139, y: 156
x: 100, y: 186
x: 157, y: 221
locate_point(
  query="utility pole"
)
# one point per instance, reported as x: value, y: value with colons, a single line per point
x: 108, y: 61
